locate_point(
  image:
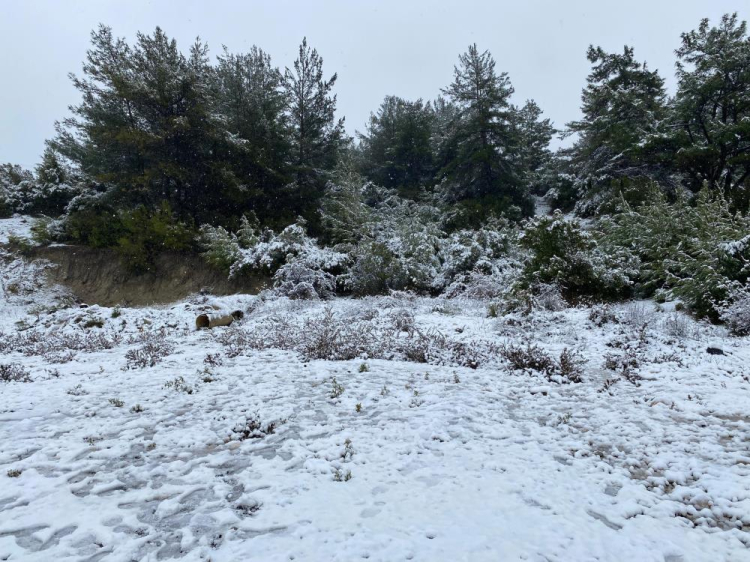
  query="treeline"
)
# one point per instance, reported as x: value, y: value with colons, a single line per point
x: 216, y: 139
x: 244, y: 161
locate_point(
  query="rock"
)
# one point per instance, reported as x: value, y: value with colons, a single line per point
x: 714, y: 351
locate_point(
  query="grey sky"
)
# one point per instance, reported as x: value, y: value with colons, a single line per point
x: 401, y: 47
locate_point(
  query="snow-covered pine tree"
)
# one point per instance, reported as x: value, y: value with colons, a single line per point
x: 623, y: 103
x: 316, y: 135
x: 396, y: 146
x: 481, y: 174
x: 711, y: 113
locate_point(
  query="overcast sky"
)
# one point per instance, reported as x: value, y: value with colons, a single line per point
x: 402, y: 47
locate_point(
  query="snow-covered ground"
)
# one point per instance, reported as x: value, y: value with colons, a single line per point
x: 144, y: 439
x: 18, y: 226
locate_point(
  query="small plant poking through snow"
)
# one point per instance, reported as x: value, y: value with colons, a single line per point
x: 77, y: 390
x: 340, y: 476
x: 348, y: 452
x: 116, y: 402
x: 179, y: 385
x: 253, y: 428
x: 213, y: 360
x: 337, y: 389
x: 14, y: 473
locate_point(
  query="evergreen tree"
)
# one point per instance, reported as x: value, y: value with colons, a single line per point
x: 623, y: 104
x: 251, y: 102
x: 145, y: 125
x: 316, y: 134
x: 712, y: 108
x: 14, y: 182
x: 396, y: 146
x: 482, y: 174
x: 56, y: 184
x: 532, y: 154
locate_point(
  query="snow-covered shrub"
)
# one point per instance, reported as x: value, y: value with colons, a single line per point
x: 149, y: 354
x: 561, y: 253
x: 696, y: 251
x: 678, y: 325
x: 567, y: 369
x: 253, y: 428
x: 736, y: 311
x: 13, y: 372
x: 299, y: 266
x: 36, y: 342
x: 481, y: 263
x: 47, y: 192
x: 298, y: 280
x: 375, y: 270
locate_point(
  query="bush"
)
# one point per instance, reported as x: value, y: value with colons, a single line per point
x: 13, y: 372
x: 736, y: 311
x: 297, y: 280
x: 300, y: 268
x: 696, y: 251
x: 147, y: 233
x: 373, y: 272
x: 562, y: 254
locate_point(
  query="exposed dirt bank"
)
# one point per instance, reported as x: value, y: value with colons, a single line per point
x: 97, y: 276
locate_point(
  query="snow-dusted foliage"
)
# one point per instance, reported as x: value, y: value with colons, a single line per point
x: 299, y: 266
x: 736, y: 311
x: 696, y: 251
x: 561, y: 253
x: 46, y: 192
x: 14, y: 182
x: 399, y: 244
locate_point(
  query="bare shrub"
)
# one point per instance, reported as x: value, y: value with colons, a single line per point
x: 567, y: 369
x: 179, y: 385
x: 149, y: 354
x: 213, y: 360
x: 403, y: 320
x: 332, y: 337
x: 549, y: 297
x: 570, y: 366
x: 531, y: 357
x: 626, y: 364
x: 678, y: 325
x: 638, y: 315
x: 13, y: 372
x: 57, y: 346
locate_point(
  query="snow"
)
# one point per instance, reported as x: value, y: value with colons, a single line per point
x: 19, y: 226
x: 438, y: 462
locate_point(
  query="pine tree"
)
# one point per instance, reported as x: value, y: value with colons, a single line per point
x: 316, y: 134
x: 251, y: 102
x: 482, y: 175
x: 396, y: 146
x: 712, y: 108
x: 145, y: 126
x: 532, y: 155
x: 623, y: 104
